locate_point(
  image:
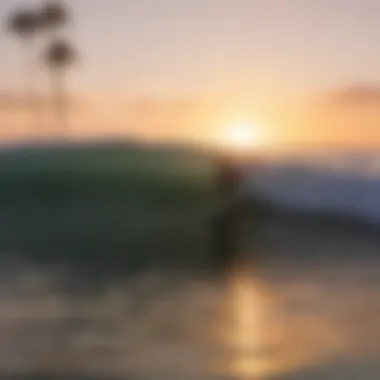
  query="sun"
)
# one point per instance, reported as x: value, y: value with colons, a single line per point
x: 240, y: 136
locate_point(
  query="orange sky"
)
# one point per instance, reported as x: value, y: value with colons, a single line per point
x: 304, y: 123
x: 301, y: 73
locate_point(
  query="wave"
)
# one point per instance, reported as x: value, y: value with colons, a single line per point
x: 351, y: 191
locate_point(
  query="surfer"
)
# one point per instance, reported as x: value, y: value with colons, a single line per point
x: 225, y: 240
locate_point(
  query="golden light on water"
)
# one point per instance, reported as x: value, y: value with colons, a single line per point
x: 243, y: 332
x: 256, y: 345
x: 246, y: 337
x: 263, y: 335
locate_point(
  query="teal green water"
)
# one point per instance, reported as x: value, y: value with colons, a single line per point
x: 106, y: 209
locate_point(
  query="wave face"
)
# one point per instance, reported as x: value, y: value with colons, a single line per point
x: 345, y: 186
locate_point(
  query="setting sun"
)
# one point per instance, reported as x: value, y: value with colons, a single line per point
x: 240, y: 136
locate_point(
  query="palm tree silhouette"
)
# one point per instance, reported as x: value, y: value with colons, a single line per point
x: 24, y: 23
x: 59, y: 56
x: 50, y: 19
x: 53, y: 16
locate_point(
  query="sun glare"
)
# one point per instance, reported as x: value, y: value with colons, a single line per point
x: 240, y: 136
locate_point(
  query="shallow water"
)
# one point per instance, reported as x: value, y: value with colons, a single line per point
x: 303, y: 304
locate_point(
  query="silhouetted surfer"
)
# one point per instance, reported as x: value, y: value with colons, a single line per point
x: 225, y: 240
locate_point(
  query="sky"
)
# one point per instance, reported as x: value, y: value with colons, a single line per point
x: 299, y: 72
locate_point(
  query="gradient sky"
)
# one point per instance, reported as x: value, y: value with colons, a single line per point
x: 186, y: 68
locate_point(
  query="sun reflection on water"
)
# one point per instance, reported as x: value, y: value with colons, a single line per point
x: 242, y: 332
x: 274, y: 328
x: 245, y: 332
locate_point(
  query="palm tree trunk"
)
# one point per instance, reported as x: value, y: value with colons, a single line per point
x: 60, y: 104
x: 32, y: 100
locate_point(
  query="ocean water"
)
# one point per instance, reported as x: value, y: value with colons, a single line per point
x: 113, y: 277
x: 294, y: 307
x: 342, y: 188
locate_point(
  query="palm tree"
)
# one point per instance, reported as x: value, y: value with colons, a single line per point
x: 24, y: 23
x: 59, y: 56
x: 53, y: 16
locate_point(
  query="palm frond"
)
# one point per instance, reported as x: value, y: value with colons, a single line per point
x: 60, y: 53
